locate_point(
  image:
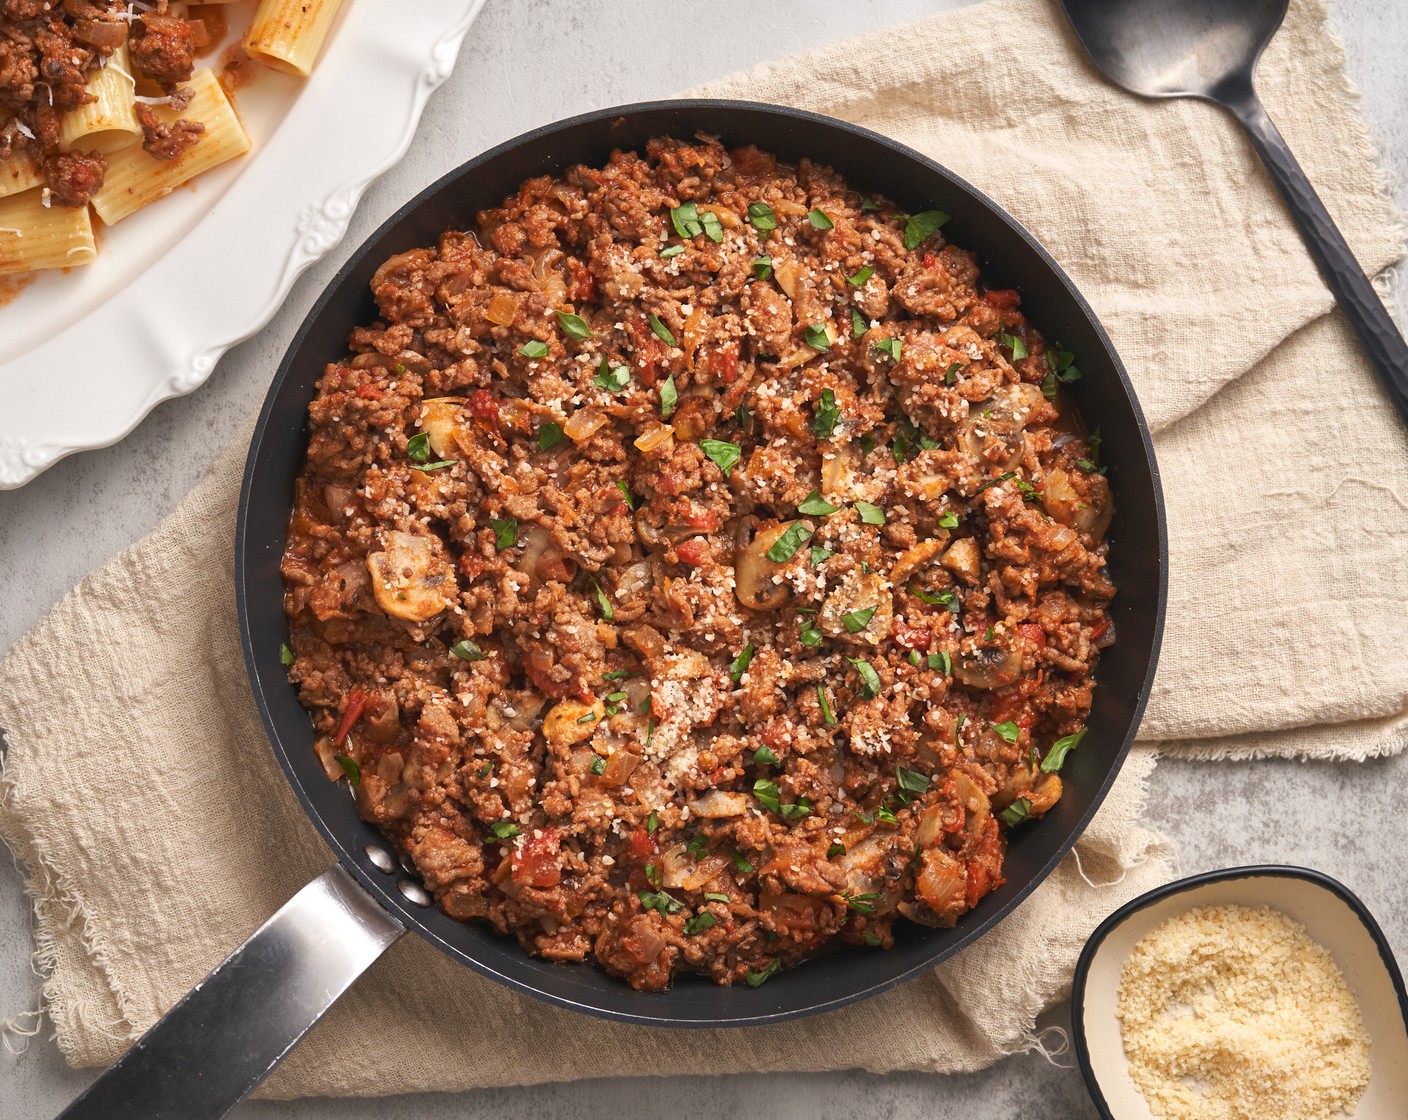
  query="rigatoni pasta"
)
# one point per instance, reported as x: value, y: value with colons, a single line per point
x: 287, y: 34
x: 109, y: 121
x: 34, y: 236
x: 127, y: 117
x: 134, y: 178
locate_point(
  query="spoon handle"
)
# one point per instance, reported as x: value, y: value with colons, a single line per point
x: 1327, y: 245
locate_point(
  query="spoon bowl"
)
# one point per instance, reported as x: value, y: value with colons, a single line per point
x: 1209, y: 49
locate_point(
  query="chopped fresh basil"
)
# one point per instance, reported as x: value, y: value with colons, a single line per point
x: 685, y: 219
x: 739, y: 665
x: 350, y: 769
x: 860, y: 277
x: 1062, y: 365
x: 1018, y: 347
x: 814, y: 505
x: 820, y: 555
x: 870, y: 679
x: 549, y: 435
x: 652, y: 822
x: 856, y: 621
x: 785, y: 547
x: 612, y: 379
x: 716, y: 896
x: 713, y: 228
x: 669, y: 397
x: 598, y: 764
x: 466, y: 650
x: 672, y: 250
x: 662, y: 332
x: 603, y: 603
x: 741, y: 863
x: 1008, y: 730
x: 873, y: 940
x: 827, y: 416
x: 835, y: 849
x: 504, y: 830
x: 915, y: 658
x: 762, y: 267
x: 922, y: 226
x: 505, y: 532
x: 755, y: 977
x: 869, y: 514
x: 652, y: 874
x: 574, y: 326
x: 941, y: 662
x: 700, y: 922
x: 626, y: 493
x: 765, y: 790
x: 588, y: 718
x: 816, y: 337
x: 948, y: 520
x: 660, y: 902
x: 762, y: 217
x: 810, y: 636
x: 868, y: 205
x: 797, y: 810
x: 764, y: 756
x: 861, y: 903
x: 951, y: 372
x: 534, y: 349
x: 617, y: 674
x: 698, y: 844
x: 886, y: 816
x: 911, y: 783
x: 826, y: 714
x: 435, y: 466
x: 942, y: 599
x: 418, y: 447
x: 1056, y: 756
x: 819, y: 220
x: 858, y: 324
x: 721, y: 453
x: 1017, y: 812
x: 286, y: 657
x: 891, y: 346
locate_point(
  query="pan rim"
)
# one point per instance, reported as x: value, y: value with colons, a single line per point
x: 982, y: 922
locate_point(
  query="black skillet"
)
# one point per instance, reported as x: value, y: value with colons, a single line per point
x: 223, y: 1038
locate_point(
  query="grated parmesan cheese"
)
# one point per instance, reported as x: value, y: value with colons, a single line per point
x: 1231, y: 1013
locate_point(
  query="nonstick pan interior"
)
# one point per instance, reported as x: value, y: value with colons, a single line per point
x: 1009, y: 257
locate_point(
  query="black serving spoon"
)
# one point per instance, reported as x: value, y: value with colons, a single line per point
x: 1209, y: 49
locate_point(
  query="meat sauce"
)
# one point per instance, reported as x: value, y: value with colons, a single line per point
x: 697, y: 563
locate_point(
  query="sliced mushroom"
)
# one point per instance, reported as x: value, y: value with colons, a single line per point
x: 989, y: 666
x: 411, y: 578
x: 753, y: 571
x: 1063, y: 501
x: 993, y: 431
x: 718, y: 803
x: 963, y: 558
x: 572, y: 721
x: 912, y: 559
x: 857, y: 593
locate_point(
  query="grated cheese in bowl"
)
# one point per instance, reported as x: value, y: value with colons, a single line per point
x: 1233, y: 1013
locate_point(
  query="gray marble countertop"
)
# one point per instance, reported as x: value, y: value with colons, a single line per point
x: 524, y: 63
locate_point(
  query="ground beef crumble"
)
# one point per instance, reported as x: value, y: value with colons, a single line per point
x: 697, y: 563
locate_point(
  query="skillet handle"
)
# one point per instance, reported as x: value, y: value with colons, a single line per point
x: 229, y: 1032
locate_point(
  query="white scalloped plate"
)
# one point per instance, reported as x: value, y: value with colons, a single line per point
x: 85, y: 355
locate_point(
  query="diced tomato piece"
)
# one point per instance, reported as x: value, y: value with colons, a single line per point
x: 1033, y: 633
x: 535, y: 862
x: 910, y: 637
x: 1002, y: 299
x: 584, y: 289
x: 723, y: 362
x: 642, y: 844
x: 1099, y: 631
x: 930, y: 260
x: 692, y: 552
x: 650, y: 349
x: 707, y: 521
x: 357, y: 702
x: 484, y: 405
x: 368, y: 392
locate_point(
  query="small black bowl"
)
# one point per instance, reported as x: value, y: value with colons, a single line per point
x: 1333, y: 916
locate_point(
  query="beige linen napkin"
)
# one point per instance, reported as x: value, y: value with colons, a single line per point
x: 158, y: 831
